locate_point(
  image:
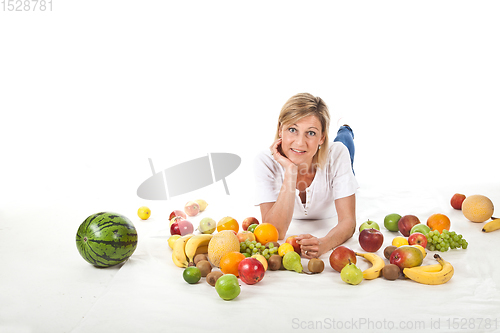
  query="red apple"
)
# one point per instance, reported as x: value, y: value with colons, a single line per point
x: 341, y: 256
x: 417, y: 238
x: 192, y: 208
x: 251, y: 270
x: 406, y: 223
x: 185, y: 227
x: 371, y: 239
x: 248, y: 221
x: 174, y: 229
x: 293, y: 241
x: 456, y: 201
x: 245, y: 235
x: 177, y: 213
x: 406, y: 256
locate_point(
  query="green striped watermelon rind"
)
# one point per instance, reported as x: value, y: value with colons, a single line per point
x: 106, y: 239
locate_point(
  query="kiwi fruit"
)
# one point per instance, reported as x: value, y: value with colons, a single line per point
x: 388, y: 250
x: 199, y: 257
x: 274, y: 262
x: 204, y: 266
x: 391, y: 272
x: 212, y: 277
x: 276, y: 244
x: 316, y: 265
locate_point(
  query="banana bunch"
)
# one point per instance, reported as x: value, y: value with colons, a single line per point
x: 377, y: 265
x: 186, y: 247
x: 431, y: 274
x: 493, y: 225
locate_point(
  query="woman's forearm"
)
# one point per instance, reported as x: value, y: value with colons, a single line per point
x: 339, y: 234
x: 281, y: 213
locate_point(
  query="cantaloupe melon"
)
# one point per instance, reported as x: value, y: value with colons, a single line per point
x: 221, y: 243
x: 477, y: 208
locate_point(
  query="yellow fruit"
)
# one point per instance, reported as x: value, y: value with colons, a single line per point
x: 144, y: 213
x: 421, y: 248
x: 202, y: 203
x: 228, y: 223
x: 172, y: 239
x: 477, y: 208
x: 285, y: 248
x: 262, y: 259
x: 399, y: 241
x: 221, y: 243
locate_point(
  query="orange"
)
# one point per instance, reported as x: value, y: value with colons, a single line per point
x: 265, y: 233
x: 438, y: 222
x: 228, y: 223
x: 477, y: 208
x: 229, y: 262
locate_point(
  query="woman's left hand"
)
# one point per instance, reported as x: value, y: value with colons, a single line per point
x: 311, y: 246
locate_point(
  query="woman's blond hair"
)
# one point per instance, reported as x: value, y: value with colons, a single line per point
x: 303, y: 105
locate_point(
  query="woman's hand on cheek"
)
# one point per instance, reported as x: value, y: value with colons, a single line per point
x: 280, y: 158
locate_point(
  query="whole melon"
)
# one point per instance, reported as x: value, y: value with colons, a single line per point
x: 106, y: 239
x: 477, y: 208
x: 223, y: 242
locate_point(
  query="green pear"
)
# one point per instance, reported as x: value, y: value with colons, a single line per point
x: 291, y: 262
x: 351, y: 274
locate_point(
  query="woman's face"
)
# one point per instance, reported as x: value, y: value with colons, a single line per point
x: 301, y: 139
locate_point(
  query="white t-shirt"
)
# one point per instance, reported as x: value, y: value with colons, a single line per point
x: 334, y: 181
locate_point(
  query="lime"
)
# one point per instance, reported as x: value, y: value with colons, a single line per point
x: 191, y: 275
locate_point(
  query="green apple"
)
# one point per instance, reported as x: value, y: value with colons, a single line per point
x: 207, y: 225
x: 422, y: 228
x: 369, y: 224
x: 227, y: 287
x: 391, y: 222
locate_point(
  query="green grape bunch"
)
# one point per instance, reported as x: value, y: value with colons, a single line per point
x: 444, y: 241
x: 250, y: 248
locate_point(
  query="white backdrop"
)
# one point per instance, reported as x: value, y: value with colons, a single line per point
x: 91, y: 90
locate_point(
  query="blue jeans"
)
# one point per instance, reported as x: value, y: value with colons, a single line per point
x: 346, y: 136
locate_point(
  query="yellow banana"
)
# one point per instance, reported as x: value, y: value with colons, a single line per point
x: 179, y: 263
x: 202, y: 250
x: 493, y: 225
x: 178, y: 255
x: 196, y: 242
x: 442, y: 276
x: 428, y: 268
x: 377, y: 265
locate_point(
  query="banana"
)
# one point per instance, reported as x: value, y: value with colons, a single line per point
x: 428, y: 268
x: 442, y: 276
x: 202, y: 250
x: 194, y: 243
x: 377, y: 265
x: 178, y: 254
x: 493, y: 225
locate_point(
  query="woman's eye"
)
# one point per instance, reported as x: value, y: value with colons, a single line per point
x: 311, y: 133
x: 292, y: 130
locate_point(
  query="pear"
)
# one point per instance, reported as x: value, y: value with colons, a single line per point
x: 291, y: 261
x: 351, y: 274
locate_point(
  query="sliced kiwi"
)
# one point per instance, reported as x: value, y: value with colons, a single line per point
x: 388, y: 250
x: 316, y: 265
x: 205, y: 267
x: 212, y: 277
x: 274, y: 262
x: 391, y: 272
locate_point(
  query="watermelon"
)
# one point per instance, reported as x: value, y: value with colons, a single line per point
x: 106, y: 239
